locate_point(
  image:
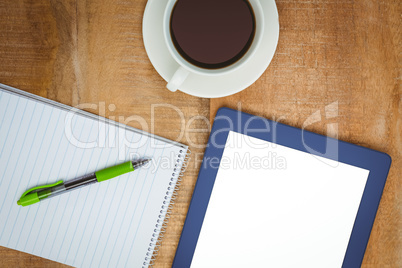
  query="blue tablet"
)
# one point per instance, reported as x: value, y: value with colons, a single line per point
x: 271, y: 195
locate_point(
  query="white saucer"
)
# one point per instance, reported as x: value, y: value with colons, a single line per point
x: 209, y: 86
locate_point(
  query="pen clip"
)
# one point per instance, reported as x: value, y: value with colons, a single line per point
x: 41, y: 187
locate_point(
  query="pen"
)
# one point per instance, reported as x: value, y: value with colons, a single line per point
x: 39, y: 193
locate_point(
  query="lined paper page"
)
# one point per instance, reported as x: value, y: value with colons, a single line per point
x: 106, y: 224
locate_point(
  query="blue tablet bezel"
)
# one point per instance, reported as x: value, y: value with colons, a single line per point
x: 377, y: 163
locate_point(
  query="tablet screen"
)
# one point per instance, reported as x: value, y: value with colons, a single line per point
x: 274, y: 206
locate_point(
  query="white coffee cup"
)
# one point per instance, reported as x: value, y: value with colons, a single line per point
x: 187, y: 68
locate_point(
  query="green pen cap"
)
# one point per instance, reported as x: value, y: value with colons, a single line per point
x: 28, y: 199
x: 33, y: 196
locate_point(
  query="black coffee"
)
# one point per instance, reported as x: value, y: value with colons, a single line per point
x: 212, y: 33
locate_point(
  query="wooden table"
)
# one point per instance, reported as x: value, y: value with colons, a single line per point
x: 343, y: 54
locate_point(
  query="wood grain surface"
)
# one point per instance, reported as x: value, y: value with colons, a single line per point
x: 339, y: 59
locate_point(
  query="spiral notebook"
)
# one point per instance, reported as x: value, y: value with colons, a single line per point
x: 116, y: 223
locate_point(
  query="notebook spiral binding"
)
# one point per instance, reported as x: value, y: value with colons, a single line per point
x: 166, y: 209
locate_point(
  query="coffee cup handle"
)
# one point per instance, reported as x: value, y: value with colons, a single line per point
x: 178, y: 79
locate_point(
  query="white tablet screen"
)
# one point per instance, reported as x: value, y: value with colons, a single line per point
x: 273, y: 206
